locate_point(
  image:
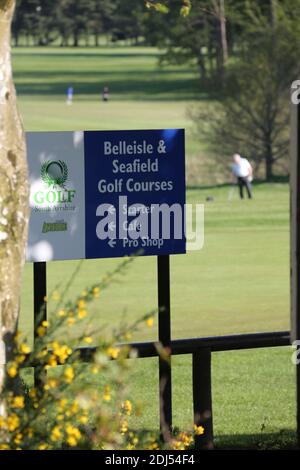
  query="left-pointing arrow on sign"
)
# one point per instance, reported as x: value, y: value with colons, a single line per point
x: 112, y: 243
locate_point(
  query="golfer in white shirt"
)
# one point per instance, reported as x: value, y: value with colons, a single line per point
x: 242, y: 170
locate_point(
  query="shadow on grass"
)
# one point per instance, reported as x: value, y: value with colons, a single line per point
x: 79, y: 54
x: 257, y: 183
x: 283, y: 440
x: 74, y: 68
x: 145, y: 87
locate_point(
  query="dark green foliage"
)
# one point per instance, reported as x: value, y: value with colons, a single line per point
x: 253, y: 113
x: 71, y: 20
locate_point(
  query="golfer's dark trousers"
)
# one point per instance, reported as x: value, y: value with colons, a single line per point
x: 244, y: 182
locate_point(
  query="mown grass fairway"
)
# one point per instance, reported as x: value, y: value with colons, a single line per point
x: 143, y: 95
x: 238, y: 283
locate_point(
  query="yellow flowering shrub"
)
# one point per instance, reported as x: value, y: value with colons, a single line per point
x: 67, y: 408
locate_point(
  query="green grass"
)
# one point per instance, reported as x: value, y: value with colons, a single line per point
x: 238, y: 283
x: 143, y: 95
x: 131, y: 74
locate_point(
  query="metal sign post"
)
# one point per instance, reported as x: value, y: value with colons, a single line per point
x: 40, y: 308
x: 164, y: 336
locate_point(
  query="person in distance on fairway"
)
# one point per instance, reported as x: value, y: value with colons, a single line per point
x: 243, y: 171
x: 70, y: 93
x: 105, y: 94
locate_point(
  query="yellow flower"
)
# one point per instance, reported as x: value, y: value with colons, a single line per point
x: 12, y: 369
x: 42, y: 353
x: 41, y: 331
x: 107, y: 395
x: 52, y: 362
x: 153, y: 446
x: 2, y: 423
x: 74, y: 407
x: 199, y: 430
x: 13, y: 422
x: 69, y: 374
x: 127, y: 407
x: 43, y: 446
x: 73, y: 431
x: 62, y: 404
x: 83, y: 419
x: 96, y: 291
x: 20, y: 358
x: 71, y: 441
x: 81, y: 304
x: 84, y: 293
x: 18, y: 438
x: 61, y: 313
x: 124, y: 427
x: 18, y: 402
x: 17, y: 336
x: 45, y: 324
x: 177, y: 445
x: 56, y: 434
x: 4, y: 447
x: 30, y: 433
x: 71, y: 321
x: 56, y: 295
x: 150, y: 322
x: 73, y: 435
x: 113, y: 352
x: 95, y: 369
x: 82, y: 314
x: 24, y: 348
x: 33, y: 393
x: 88, y: 340
x: 51, y: 383
x: 61, y: 352
x: 186, y: 439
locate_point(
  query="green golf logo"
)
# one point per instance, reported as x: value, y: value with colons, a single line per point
x: 54, y: 173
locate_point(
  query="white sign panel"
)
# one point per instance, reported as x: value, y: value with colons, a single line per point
x: 57, y: 196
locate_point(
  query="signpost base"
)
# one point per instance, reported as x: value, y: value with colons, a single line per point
x: 40, y: 310
x: 164, y: 336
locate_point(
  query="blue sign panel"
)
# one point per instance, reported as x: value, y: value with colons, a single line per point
x: 106, y: 194
x: 134, y: 193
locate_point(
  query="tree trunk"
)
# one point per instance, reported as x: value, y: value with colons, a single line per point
x: 75, y: 39
x: 201, y: 65
x: 16, y: 37
x: 269, y: 159
x: 223, y: 32
x: 273, y: 13
x: 14, y: 195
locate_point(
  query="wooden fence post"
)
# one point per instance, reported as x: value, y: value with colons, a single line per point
x: 202, y: 398
x: 295, y: 244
